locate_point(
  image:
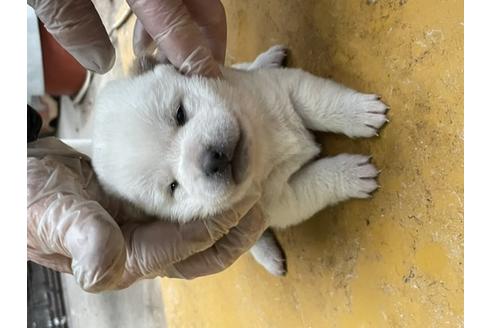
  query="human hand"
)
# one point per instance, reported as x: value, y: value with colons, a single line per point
x: 73, y: 226
x: 191, y: 33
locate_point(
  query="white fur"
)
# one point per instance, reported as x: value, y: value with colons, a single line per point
x: 138, y: 150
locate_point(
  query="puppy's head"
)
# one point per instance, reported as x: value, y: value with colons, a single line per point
x: 175, y: 146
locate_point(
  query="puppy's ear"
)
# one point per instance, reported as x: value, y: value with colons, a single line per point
x: 143, y: 64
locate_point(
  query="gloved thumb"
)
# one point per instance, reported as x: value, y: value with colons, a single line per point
x: 82, y: 231
x: 175, y: 34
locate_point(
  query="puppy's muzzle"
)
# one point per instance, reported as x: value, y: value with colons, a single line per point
x: 226, y: 162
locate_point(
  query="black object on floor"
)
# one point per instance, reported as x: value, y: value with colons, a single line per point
x: 45, y: 307
x: 34, y: 123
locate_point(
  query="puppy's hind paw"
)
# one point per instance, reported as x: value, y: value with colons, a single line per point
x: 357, y: 176
x: 269, y: 254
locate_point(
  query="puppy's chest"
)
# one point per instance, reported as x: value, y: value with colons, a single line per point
x: 291, y: 146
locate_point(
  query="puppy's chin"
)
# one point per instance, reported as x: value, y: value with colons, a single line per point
x: 219, y: 206
x: 240, y: 163
x: 245, y: 157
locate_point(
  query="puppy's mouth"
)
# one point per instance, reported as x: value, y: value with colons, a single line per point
x: 240, y: 159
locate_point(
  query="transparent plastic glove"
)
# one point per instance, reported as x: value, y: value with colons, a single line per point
x: 76, y: 25
x: 74, y: 227
x: 190, y: 33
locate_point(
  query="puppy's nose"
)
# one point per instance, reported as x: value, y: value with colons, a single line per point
x: 214, y: 162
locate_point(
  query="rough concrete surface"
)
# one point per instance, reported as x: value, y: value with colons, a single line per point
x: 395, y: 260
x: 137, y: 306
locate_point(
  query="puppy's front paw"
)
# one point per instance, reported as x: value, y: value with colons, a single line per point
x: 366, y: 115
x: 357, y: 176
x: 272, y: 58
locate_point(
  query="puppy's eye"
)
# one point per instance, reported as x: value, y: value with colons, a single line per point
x: 173, y: 186
x: 180, y: 115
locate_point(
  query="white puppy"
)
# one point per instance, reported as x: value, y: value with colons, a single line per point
x: 188, y: 147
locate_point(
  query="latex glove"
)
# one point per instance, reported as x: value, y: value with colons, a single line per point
x: 190, y: 33
x: 77, y: 27
x: 75, y: 227
x: 184, y: 30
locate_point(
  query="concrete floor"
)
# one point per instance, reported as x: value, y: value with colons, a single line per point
x: 137, y: 306
x: 393, y: 261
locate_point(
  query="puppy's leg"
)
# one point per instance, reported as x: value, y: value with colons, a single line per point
x: 324, y: 182
x: 272, y: 58
x: 325, y: 105
x: 268, y: 252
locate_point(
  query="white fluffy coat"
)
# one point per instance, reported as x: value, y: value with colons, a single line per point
x: 259, y: 115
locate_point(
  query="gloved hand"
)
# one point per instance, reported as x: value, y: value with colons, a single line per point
x: 75, y: 227
x: 191, y: 33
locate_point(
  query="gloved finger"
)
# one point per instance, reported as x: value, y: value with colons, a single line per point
x: 83, y: 231
x: 225, y: 251
x: 143, y: 44
x: 211, y: 20
x: 152, y: 248
x: 55, y: 262
x: 76, y: 25
x: 176, y: 35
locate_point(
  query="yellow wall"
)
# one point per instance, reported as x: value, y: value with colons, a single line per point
x: 393, y: 261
